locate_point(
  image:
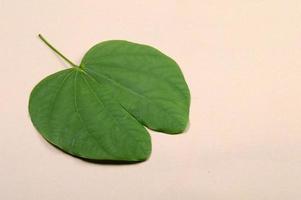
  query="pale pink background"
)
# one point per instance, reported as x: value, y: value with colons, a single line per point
x: 242, y: 61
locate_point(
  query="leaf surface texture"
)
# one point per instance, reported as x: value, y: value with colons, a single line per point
x: 98, y: 110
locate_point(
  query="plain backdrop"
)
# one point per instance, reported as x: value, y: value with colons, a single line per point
x: 241, y: 60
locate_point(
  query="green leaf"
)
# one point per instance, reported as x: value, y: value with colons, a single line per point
x: 147, y: 83
x: 97, y: 110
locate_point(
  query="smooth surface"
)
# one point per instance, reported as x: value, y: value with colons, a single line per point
x: 146, y: 82
x: 97, y: 110
x: 241, y: 60
x: 79, y: 115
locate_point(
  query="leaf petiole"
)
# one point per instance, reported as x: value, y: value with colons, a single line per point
x: 56, y: 51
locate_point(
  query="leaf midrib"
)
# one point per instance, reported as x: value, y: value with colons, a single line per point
x: 79, y: 115
x: 130, y: 90
x: 99, y: 100
x: 154, y: 76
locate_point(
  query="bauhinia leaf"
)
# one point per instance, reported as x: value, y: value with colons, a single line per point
x: 97, y: 110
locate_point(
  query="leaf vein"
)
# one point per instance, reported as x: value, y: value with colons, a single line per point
x: 166, y: 111
x: 80, y: 117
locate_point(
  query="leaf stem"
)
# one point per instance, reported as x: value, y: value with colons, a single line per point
x: 56, y: 51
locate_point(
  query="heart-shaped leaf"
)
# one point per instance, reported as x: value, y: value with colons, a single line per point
x: 97, y: 110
